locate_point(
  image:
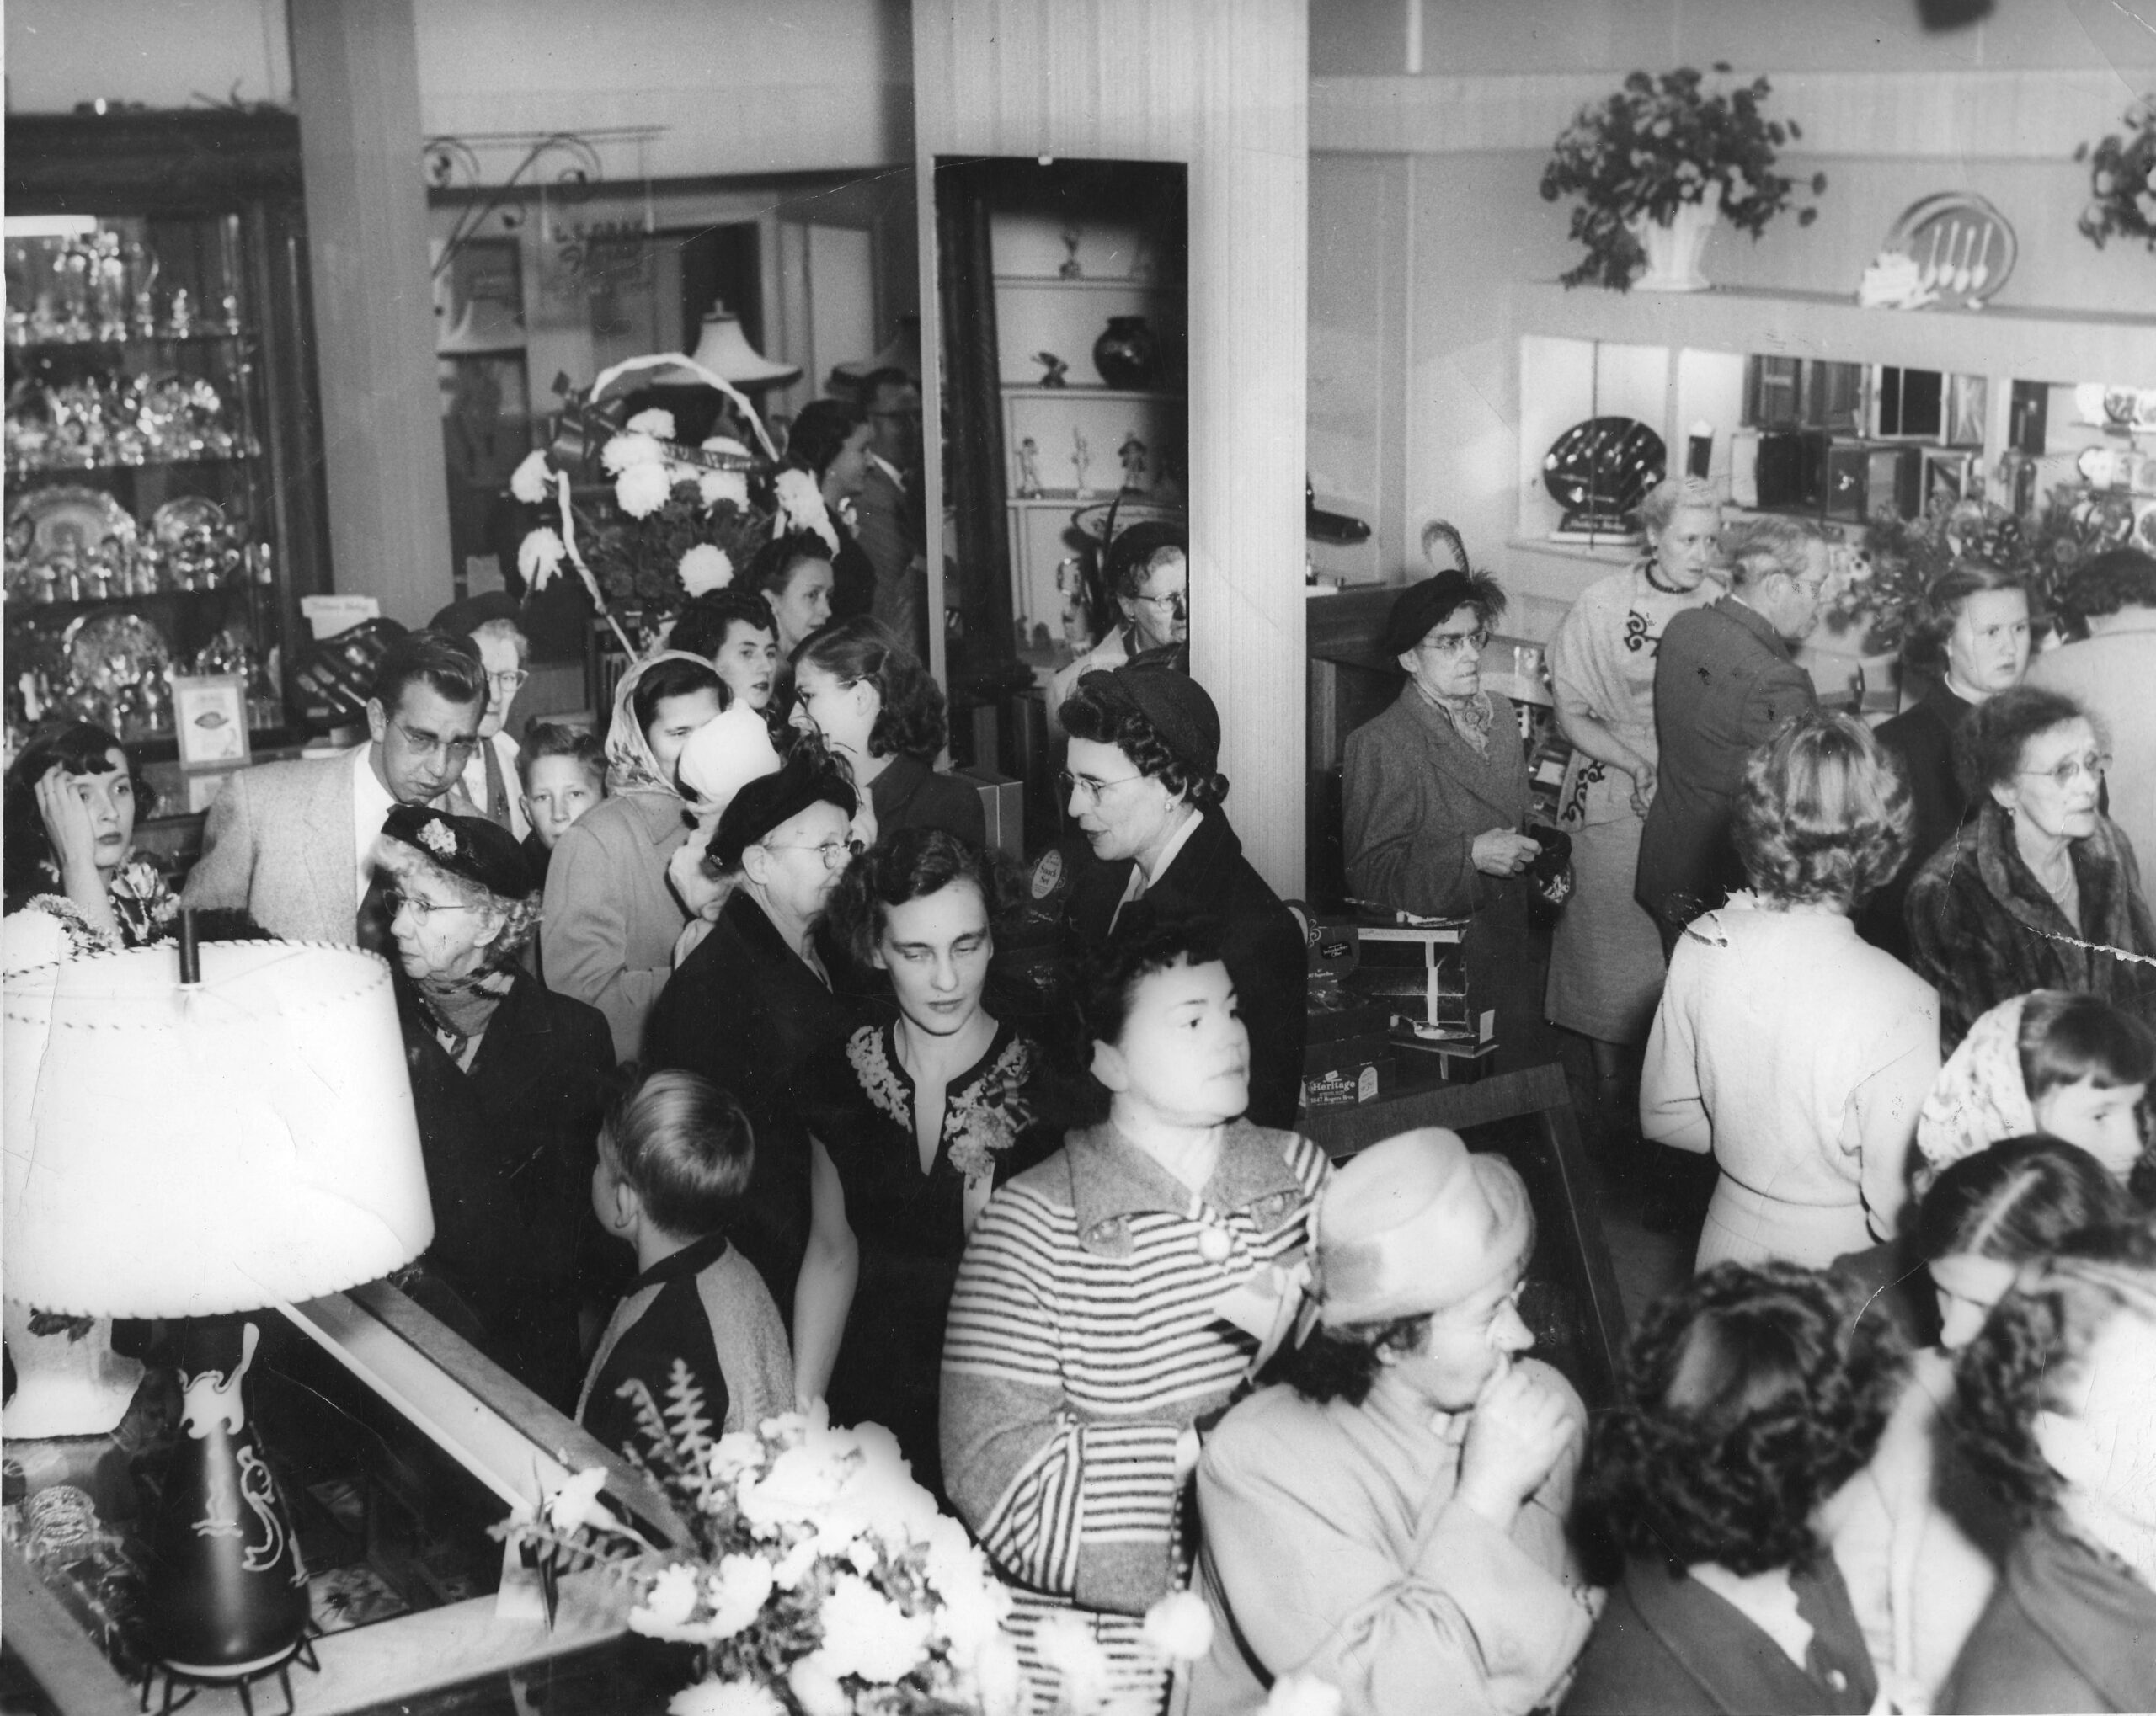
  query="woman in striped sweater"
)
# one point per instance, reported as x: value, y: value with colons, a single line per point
x: 1113, y: 1300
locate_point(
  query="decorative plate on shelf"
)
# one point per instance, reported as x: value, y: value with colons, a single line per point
x: 70, y: 519
x: 107, y: 650
x: 1122, y: 512
x: 173, y: 522
x: 1962, y: 247
x: 1602, y: 469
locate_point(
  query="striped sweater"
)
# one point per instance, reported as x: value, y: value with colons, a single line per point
x: 1085, y: 1337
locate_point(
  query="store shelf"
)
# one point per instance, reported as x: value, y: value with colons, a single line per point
x: 134, y: 342
x: 1087, y: 283
x: 20, y: 608
x: 1019, y: 390
x: 16, y: 472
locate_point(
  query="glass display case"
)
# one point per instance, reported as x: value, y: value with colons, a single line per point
x: 164, y: 506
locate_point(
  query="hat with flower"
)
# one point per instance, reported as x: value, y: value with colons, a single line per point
x: 470, y: 847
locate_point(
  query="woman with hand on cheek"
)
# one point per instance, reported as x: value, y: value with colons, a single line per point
x: 72, y: 797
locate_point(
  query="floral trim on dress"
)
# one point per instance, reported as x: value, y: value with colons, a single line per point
x: 980, y: 1122
x: 141, y: 902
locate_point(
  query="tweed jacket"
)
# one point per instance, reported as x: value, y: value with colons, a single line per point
x: 609, y: 921
x: 279, y: 846
x: 1723, y: 684
x: 1983, y: 929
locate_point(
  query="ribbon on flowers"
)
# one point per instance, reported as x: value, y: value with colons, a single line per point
x: 576, y: 559
x: 1270, y: 1302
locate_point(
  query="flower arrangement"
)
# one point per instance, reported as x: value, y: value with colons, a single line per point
x: 1901, y: 556
x: 1658, y: 144
x: 2123, y: 180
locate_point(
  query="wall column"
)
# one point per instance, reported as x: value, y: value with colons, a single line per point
x: 356, y: 81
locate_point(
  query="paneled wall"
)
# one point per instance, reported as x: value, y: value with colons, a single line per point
x: 1221, y: 85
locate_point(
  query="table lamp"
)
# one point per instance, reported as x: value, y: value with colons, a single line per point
x: 222, y: 1132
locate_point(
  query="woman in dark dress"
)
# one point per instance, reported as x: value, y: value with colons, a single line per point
x: 830, y: 440
x: 913, y: 1124
x: 509, y: 1080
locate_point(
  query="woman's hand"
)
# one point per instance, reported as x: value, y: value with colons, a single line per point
x: 1501, y: 852
x: 1524, y: 1424
x: 702, y: 894
x: 67, y: 825
x: 1643, y: 784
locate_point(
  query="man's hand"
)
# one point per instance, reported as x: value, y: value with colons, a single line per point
x: 1524, y: 1424
x: 1643, y: 786
x: 1501, y: 852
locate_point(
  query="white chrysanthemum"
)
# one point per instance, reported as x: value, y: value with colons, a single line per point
x: 794, y: 1565
x: 532, y: 481
x: 657, y: 423
x: 723, y: 487
x: 641, y: 489
x: 801, y: 506
x: 816, y: 1689
x: 1303, y: 1695
x: 737, y: 1592
x: 800, y: 1486
x: 999, y: 1677
x: 1067, y: 1645
x: 734, y: 1452
x: 576, y: 1500
x: 626, y: 452
x: 725, y: 1698
x: 539, y: 556
x: 1180, y: 1626
x: 867, y: 1635
x: 672, y: 1598
x: 705, y: 567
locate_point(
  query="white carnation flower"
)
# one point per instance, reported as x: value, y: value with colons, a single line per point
x: 1303, y: 1695
x: 725, y: 1698
x: 1180, y: 1626
x: 578, y: 1499
x: 816, y: 1689
x: 723, y: 487
x: 737, y: 1592
x: 801, y: 1485
x: 705, y: 567
x: 532, y: 480
x: 733, y: 1452
x: 801, y: 506
x: 657, y: 423
x: 627, y: 451
x: 539, y: 558
x: 793, y: 1566
x: 642, y: 490
x: 672, y: 1598
x: 867, y: 1635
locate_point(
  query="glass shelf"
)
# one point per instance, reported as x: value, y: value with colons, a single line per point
x: 134, y: 342
x: 239, y: 457
x: 22, y: 607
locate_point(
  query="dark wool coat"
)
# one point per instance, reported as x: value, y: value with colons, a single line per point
x: 1261, y: 944
x: 1723, y: 684
x: 2068, y: 1628
x: 1671, y: 1647
x: 1982, y: 928
x: 909, y: 794
x: 1921, y: 738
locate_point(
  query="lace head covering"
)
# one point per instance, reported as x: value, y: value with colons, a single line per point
x: 630, y: 765
x: 1978, y: 1099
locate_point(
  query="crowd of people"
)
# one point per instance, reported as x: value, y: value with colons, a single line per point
x: 719, y: 1060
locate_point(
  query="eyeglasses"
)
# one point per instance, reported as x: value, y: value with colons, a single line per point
x: 835, y: 854
x: 1175, y: 603
x: 510, y: 679
x: 2062, y: 773
x: 1072, y: 785
x: 433, y: 744
x: 395, y: 900
x: 1448, y: 644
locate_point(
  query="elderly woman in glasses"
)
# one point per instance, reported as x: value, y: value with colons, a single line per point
x: 755, y: 998
x: 2041, y: 891
x: 1436, y: 791
x: 508, y: 1081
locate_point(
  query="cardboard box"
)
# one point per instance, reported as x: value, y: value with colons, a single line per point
x: 1003, y: 806
x: 1335, y: 945
x: 1344, y: 1074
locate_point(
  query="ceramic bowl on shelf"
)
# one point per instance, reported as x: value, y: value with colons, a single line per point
x: 67, y: 519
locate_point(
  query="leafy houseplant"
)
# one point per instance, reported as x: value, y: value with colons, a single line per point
x: 2123, y: 180
x: 1657, y: 146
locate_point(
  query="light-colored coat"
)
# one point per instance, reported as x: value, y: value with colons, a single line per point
x: 278, y: 845
x: 609, y: 921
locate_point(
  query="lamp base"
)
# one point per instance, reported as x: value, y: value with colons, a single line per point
x: 241, y: 1681
x: 65, y: 1385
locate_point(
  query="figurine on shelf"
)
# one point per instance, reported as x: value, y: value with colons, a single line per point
x: 1029, y: 469
x: 182, y: 321
x: 1132, y: 452
x: 142, y: 270
x: 1081, y: 461
x: 1070, y: 269
x: 1057, y: 369
x: 109, y: 286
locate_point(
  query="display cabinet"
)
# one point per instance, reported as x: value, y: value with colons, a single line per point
x: 165, y: 500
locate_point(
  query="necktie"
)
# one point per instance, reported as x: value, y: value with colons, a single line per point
x: 497, y: 808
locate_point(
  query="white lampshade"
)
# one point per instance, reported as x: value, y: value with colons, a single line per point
x: 226, y: 1146
x: 724, y: 350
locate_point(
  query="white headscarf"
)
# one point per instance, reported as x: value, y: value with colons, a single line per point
x: 1979, y: 1099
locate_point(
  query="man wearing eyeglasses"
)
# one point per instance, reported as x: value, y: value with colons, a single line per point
x: 292, y: 843
x: 1148, y: 570
x: 888, y: 521
x: 490, y: 779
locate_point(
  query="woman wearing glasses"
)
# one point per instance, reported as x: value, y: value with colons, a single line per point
x: 755, y: 997
x: 912, y: 1124
x: 2040, y: 890
x: 1147, y: 572
x: 859, y: 690
x: 490, y: 776
x: 1436, y: 791
x: 508, y: 1081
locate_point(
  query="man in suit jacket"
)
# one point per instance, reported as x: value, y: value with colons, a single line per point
x: 1724, y: 682
x: 490, y: 779
x: 1145, y: 746
x: 887, y: 522
x: 292, y: 843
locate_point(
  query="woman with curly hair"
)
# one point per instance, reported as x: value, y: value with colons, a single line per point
x: 1751, y: 1397
x: 2041, y: 891
x: 1970, y: 635
x: 733, y: 629
x: 2055, y: 1407
x: 510, y: 1081
x: 73, y: 794
x: 876, y: 710
x: 1793, y: 1052
x: 912, y: 1124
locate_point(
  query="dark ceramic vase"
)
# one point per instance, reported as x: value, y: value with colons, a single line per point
x: 1128, y: 353
x: 228, y: 1594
